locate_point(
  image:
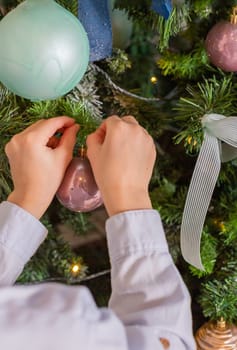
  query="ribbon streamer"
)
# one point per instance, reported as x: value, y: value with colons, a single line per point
x: 94, y: 16
x: 219, y: 145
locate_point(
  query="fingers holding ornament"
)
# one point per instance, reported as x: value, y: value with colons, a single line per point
x: 111, y: 150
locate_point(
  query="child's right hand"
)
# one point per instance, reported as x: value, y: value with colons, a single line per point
x: 122, y: 156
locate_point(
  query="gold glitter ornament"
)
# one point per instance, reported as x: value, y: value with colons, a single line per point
x: 216, y: 336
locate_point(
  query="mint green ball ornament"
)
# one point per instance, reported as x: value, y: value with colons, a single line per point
x: 44, y: 50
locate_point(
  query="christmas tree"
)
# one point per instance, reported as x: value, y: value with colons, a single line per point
x: 173, y: 67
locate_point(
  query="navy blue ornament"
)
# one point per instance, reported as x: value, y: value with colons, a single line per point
x: 163, y: 7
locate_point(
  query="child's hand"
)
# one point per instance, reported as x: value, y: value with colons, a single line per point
x: 38, y: 169
x: 122, y: 156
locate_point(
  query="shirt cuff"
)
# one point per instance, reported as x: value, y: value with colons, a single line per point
x: 20, y: 231
x: 133, y: 231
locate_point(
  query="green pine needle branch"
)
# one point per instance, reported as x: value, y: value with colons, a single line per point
x: 184, y: 66
x: 211, y: 96
x: 208, y: 255
x: 169, y: 201
x: 141, y: 12
x: 218, y: 299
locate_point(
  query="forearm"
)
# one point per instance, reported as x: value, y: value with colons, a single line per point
x: 20, y: 236
x: 147, y: 290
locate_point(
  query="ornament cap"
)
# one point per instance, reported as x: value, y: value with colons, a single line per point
x: 233, y: 17
x: 221, y: 324
x: 82, y: 152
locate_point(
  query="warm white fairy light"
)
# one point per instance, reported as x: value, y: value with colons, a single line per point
x: 153, y: 79
x: 75, y: 268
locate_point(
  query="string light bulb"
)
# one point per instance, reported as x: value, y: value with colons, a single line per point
x: 153, y: 79
x: 192, y: 141
x: 220, y: 225
x: 75, y: 269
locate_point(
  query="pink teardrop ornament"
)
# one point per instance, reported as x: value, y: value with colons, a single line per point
x: 78, y: 190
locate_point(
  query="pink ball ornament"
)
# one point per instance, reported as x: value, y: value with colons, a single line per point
x: 221, y: 44
x: 78, y: 190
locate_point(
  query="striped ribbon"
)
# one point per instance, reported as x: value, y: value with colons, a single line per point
x: 219, y: 145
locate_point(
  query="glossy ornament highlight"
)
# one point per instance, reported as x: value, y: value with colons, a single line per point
x: 78, y: 190
x: 44, y: 50
x: 216, y: 336
x: 221, y: 44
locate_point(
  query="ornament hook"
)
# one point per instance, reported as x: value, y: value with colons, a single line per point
x: 233, y: 17
x: 82, y: 152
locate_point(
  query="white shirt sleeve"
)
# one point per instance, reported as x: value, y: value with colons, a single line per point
x: 20, y: 236
x: 148, y: 294
x: 149, y: 300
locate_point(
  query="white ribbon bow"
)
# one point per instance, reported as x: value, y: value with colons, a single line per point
x: 219, y: 145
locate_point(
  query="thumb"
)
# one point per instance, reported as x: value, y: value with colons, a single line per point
x: 68, y: 139
x: 96, y: 138
x: 94, y: 143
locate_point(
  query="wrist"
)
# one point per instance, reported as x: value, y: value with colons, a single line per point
x: 35, y: 207
x: 130, y: 200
